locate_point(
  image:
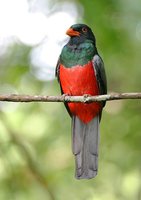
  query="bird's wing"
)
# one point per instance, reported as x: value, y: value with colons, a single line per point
x: 57, y: 73
x: 57, y: 69
x: 100, y: 74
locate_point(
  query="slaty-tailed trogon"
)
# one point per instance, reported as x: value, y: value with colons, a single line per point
x: 80, y: 71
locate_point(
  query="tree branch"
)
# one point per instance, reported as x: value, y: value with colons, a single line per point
x: 66, y: 98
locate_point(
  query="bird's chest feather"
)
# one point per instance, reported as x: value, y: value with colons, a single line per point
x: 79, y: 80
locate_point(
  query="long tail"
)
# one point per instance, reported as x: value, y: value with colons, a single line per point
x: 85, y: 140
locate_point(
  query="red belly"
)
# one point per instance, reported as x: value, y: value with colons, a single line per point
x: 77, y: 81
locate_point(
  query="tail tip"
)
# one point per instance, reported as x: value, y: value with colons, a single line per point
x: 91, y: 174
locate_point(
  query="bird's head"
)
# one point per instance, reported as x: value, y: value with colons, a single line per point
x: 81, y: 32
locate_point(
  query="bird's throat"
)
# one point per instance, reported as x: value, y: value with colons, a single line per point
x: 77, y: 54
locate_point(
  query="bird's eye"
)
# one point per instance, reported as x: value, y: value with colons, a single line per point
x: 84, y: 29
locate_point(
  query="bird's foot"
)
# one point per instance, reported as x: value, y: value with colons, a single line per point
x: 86, y: 98
x: 64, y: 96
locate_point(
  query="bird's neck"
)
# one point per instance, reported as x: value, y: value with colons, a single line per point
x: 77, y: 53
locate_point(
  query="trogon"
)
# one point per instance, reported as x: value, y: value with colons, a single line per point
x: 80, y: 71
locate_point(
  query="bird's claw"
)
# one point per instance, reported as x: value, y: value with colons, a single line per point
x: 86, y: 95
x: 86, y: 98
x: 64, y: 96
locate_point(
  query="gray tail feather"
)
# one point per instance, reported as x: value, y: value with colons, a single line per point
x: 85, y: 140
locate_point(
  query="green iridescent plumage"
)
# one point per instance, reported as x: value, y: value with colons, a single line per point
x: 77, y: 55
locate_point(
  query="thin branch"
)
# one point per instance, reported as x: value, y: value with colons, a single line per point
x: 66, y: 98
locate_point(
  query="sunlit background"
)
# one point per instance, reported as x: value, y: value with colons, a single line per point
x: 40, y: 25
x: 36, y: 161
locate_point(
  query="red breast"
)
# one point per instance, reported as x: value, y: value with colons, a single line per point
x: 77, y: 81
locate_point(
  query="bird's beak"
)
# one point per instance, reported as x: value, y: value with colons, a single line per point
x: 72, y: 32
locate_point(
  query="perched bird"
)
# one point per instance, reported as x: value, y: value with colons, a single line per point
x: 80, y: 71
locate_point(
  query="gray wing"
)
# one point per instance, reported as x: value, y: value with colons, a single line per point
x: 57, y: 69
x: 100, y: 74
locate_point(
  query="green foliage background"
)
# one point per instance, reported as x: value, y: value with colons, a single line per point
x: 35, y: 138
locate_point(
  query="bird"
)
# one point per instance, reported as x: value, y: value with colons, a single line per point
x: 80, y: 71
